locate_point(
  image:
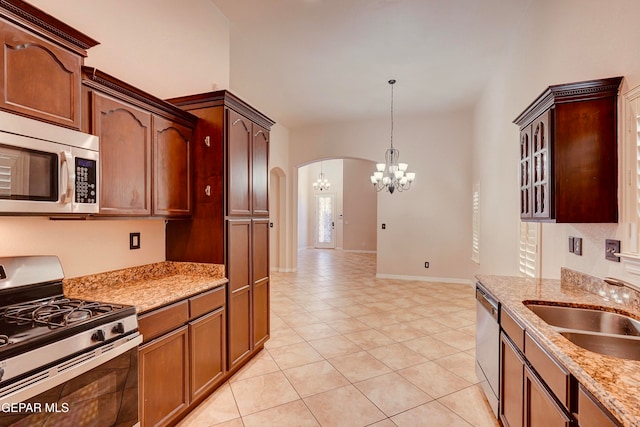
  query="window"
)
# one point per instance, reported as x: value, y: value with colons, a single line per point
x: 529, y: 244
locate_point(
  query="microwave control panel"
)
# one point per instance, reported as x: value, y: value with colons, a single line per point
x: 86, y: 172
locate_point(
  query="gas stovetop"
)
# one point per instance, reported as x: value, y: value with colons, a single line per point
x: 32, y: 324
x: 40, y: 327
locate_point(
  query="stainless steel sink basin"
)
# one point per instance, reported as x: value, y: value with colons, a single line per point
x: 599, y: 331
x: 624, y: 347
x: 585, y: 319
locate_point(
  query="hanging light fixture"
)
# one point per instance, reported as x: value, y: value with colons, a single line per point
x: 322, y: 183
x: 392, y: 175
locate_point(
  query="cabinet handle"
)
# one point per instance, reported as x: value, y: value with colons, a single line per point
x: 207, y: 141
x: 207, y: 190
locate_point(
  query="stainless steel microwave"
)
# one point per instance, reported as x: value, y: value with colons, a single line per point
x: 47, y: 169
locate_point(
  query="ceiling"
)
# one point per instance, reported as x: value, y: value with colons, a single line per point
x: 307, y: 62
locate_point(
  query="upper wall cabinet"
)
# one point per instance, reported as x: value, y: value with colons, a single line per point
x: 145, y: 148
x: 40, y: 64
x: 568, y: 154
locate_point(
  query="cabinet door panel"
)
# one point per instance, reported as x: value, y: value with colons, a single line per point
x: 239, y: 289
x: 39, y: 79
x: 164, y: 378
x: 525, y: 173
x: 125, y: 156
x: 511, y: 384
x: 260, y: 171
x: 541, y: 197
x: 172, y: 168
x: 207, y: 344
x: 260, y: 250
x: 238, y: 164
x: 540, y: 408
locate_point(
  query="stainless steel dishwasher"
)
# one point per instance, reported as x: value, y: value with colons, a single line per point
x: 488, y: 345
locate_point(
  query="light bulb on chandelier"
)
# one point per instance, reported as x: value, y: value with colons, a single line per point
x: 392, y: 175
x: 321, y: 183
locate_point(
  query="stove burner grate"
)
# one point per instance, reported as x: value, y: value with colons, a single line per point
x: 4, y: 340
x: 55, y: 313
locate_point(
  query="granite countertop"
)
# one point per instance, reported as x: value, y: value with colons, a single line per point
x: 614, y: 382
x: 147, y: 287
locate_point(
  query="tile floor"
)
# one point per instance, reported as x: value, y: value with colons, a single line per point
x: 348, y: 349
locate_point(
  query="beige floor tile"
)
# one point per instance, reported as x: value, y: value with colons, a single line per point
x: 315, y: 332
x: 261, y: 364
x: 290, y: 414
x: 384, y: 423
x: 434, y: 379
x: 263, y: 392
x: 400, y: 332
x: 315, y: 378
x: 345, y: 326
x: 431, y: 414
x: 397, y: 356
x: 295, y: 320
x: 454, y: 320
x: 430, y: 348
x: 456, y: 339
x: 290, y: 356
x: 359, y: 366
x: 345, y: 406
x: 237, y: 422
x: 283, y: 337
x: 462, y: 364
x: 369, y: 339
x: 466, y: 402
x: 428, y: 326
x: 217, y: 408
x: 358, y: 310
x: 335, y: 346
x: 392, y: 393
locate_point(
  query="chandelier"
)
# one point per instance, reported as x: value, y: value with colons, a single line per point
x: 392, y: 175
x: 322, y: 183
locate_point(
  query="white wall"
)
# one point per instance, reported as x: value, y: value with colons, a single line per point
x: 431, y: 222
x: 142, y: 43
x: 360, y: 207
x: 559, y: 42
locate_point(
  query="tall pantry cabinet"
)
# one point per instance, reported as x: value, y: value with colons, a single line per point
x: 230, y: 222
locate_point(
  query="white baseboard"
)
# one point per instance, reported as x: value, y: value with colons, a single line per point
x: 427, y: 279
x: 283, y: 270
x: 360, y: 251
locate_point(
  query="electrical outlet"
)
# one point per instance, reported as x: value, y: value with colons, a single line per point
x: 577, y: 246
x: 384, y: 226
x: 426, y: 264
x: 134, y: 240
x: 612, y: 247
x: 572, y: 247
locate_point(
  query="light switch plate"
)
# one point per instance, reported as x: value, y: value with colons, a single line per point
x: 577, y: 245
x: 134, y: 240
x: 612, y: 247
x: 571, y: 245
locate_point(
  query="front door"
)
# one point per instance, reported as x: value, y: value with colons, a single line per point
x: 325, y: 221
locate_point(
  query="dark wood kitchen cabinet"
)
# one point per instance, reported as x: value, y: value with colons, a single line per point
x: 230, y: 214
x: 40, y: 63
x: 568, y: 154
x: 183, y: 356
x: 145, y: 148
x: 535, y: 391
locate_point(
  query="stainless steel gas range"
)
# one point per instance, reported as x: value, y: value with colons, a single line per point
x: 63, y: 361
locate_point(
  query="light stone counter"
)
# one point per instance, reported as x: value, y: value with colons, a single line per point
x: 148, y: 286
x: 614, y: 382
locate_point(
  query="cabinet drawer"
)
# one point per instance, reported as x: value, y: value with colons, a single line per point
x: 590, y: 413
x: 206, y: 302
x: 157, y: 322
x: 512, y: 329
x: 556, y: 378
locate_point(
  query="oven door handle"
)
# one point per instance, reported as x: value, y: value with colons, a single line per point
x: 68, y: 177
x: 61, y: 373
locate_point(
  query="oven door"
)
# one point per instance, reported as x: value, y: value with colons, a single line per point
x: 100, y: 391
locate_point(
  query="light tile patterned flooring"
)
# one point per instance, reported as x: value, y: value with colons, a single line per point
x: 348, y: 349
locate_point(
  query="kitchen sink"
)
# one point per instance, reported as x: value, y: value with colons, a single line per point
x: 600, y: 331
x: 586, y: 319
x: 624, y: 347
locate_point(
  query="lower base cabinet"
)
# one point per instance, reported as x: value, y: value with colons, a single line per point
x: 163, y: 381
x: 540, y: 406
x: 183, y: 356
x: 511, y: 384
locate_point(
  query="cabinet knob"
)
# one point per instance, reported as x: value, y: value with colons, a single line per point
x: 207, y: 190
x: 207, y: 141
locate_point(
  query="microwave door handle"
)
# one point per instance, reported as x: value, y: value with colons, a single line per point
x: 68, y: 177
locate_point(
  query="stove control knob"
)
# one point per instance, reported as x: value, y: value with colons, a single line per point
x: 118, y: 328
x: 98, y: 335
